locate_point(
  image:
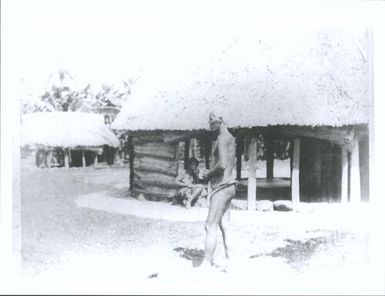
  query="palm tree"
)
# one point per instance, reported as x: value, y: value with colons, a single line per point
x: 61, y: 93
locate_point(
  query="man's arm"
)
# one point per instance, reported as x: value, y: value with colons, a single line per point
x: 220, y: 166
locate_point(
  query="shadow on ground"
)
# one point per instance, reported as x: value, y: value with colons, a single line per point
x: 194, y: 255
x: 296, y: 252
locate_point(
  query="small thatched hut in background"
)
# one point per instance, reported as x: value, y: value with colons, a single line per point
x: 309, y: 88
x: 81, y: 136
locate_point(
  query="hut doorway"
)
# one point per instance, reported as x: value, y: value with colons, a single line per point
x: 80, y: 158
x: 320, y: 171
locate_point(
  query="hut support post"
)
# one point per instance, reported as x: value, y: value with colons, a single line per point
x: 252, y: 181
x: 355, y: 179
x: 131, y: 161
x: 192, y: 147
x: 83, y: 159
x: 295, y: 173
x: 291, y: 157
x: 69, y: 156
x: 186, y: 153
x: 66, y: 158
x: 239, y: 142
x: 269, y: 158
x: 96, y: 158
x: 344, y: 175
x: 49, y: 158
x: 207, y: 152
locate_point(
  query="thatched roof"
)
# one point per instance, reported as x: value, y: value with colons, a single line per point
x: 66, y: 129
x: 272, y: 78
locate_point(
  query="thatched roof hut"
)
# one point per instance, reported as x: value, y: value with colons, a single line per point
x: 313, y: 78
x: 72, y: 130
x: 299, y: 84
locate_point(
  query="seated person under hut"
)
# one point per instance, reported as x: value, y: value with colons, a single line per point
x: 192, y: 186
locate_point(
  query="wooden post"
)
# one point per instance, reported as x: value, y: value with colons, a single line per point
x: 239, y: 150
x: 316, y: 166
x: 49, y: 158
x: 186, y: 153
x: 131, y: 156
x: 69, y: 157
x: 83, y: 159
x: 208, y: 144
x: 269, y: 158
x: 96, y: 159
x: 291, y: 157
x: 344, y: 175
x: 295, y: 173
x: 66, y: 158
x: 252, y: 181
x: 192, y: 147
x: 355, y: 179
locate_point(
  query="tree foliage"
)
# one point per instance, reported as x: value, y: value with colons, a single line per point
x: 62, y: 94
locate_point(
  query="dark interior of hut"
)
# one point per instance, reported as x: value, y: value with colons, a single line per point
x: 78, y: 157
x: 92, y: 156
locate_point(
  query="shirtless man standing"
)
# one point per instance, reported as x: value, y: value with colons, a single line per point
x: 223, y: 187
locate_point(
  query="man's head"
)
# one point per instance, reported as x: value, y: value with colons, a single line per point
x: 215, y: 122
x: 193, y: 163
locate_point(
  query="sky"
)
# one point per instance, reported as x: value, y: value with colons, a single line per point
x: 103, y: 43
x: 108, y: 41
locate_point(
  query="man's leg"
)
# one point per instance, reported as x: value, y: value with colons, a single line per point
x: 224, y: 226
x: 218, y: 206
x: 224, y: 223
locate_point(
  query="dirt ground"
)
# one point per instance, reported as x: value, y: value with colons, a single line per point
x: 79, y: 225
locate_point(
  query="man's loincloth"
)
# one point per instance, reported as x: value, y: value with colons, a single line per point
x: 219, y: 187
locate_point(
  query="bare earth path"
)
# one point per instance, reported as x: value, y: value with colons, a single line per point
x: 79, y: 225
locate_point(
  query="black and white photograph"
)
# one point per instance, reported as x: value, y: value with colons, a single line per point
x: 181, y: 147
